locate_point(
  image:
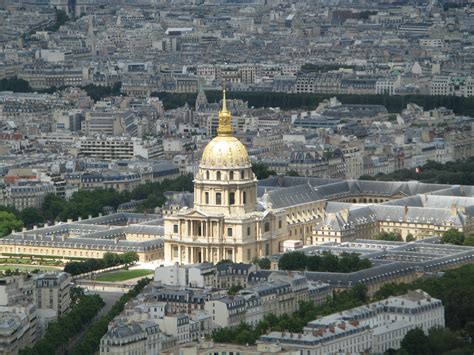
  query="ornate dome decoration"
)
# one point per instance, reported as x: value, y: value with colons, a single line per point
x: 225, y: 151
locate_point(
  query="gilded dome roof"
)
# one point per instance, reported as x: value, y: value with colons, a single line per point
x: 225, y: 151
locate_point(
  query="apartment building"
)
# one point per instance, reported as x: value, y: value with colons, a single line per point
x: 139, y: 338
x: 373, y: 328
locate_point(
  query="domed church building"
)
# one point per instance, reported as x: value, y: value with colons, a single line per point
x: 226, y: 222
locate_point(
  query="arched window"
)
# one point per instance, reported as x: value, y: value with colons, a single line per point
x: 266, y: 227
x: 231, y: 198
x: 207, y: 175
x: 244, y: 197
x: 231, y: 175
x: 242, y: 174
x: 218, y: 175
x: 218, y: 198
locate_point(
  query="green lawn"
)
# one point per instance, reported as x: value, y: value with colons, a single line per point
x: 123, y: 275
x: 28, y: 267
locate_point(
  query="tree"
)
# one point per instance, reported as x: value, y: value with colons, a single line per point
x: 410, y: 238
x: 234, y: 289
x: 261, y: 171
x: 31, y: 216
x: 292, y: 173
x: 453, y: 236
x: 14, y: 84
x: 389, y: 236
x: 469, y: 240
x: 8, y: 223
x: 360, y: 293
x: 442, y: 340
x: 416, y: 342
x: 294, y: 260
x: 264, y: 263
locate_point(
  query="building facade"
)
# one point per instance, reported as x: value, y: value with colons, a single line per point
x: 225, y: 222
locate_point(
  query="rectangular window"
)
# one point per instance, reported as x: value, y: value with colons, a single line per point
x: 218, y: 198
x: 279, y: 224
x: 244, y: 197
x: 206, y: 197
x: 248, y: 230
x: 175, y: 228
x: 232, y: 198
x: 229, y: 232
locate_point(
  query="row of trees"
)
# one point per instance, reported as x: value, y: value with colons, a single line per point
x: 453, y: 236
x: 460, y: 105
x: 62, y: 330
x: 327, y: 262
x: 14, y: 84
x: 95, y: 92
x: 91, y: 339
x: 394, y: 237
x: 308, y: 311
x: 84, y: 203
x: 108, y: 260
x: 455, y: 173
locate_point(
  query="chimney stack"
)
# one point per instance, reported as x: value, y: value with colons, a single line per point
x: 454, y: 210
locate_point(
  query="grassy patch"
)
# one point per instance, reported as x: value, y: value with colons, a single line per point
x: 123, y: 275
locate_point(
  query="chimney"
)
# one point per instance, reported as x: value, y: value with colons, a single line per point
x: 454, y: 210
x: 405, y: 212
x: 79, y: 218
x: 280, y: 180
x: 46, y: 225
x: 56, y: 223
x: 345, y: 214
x: 69, y: 220
x: 100, y: 214
x: 23, y: 229
x: 35, y: 227
x: 90, y: 216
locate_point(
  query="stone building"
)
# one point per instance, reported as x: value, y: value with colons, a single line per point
x: 226, y: 222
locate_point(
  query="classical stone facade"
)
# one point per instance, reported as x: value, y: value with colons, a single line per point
x: 225, y: 221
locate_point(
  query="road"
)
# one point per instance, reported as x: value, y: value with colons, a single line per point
x: 109, y: 298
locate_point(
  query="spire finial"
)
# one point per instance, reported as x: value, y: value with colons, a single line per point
x: 225, y: 127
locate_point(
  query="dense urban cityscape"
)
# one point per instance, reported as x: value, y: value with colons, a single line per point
x: 236, y: 177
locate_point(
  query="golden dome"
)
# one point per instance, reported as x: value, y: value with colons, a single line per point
x: 225, y: 150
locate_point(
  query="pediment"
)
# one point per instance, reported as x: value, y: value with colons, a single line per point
x: 192, y: 213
